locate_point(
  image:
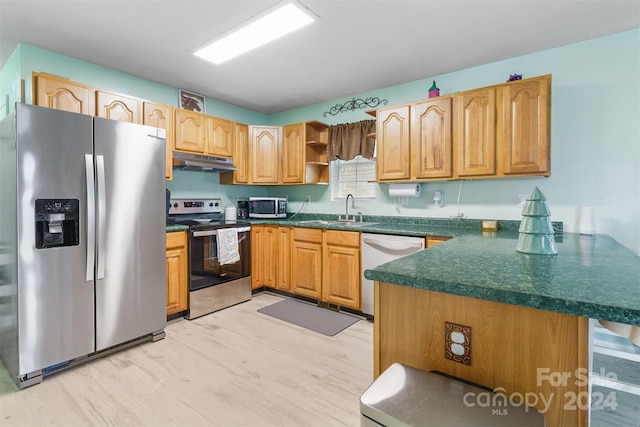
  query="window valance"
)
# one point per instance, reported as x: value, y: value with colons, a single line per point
x: 347, y: 140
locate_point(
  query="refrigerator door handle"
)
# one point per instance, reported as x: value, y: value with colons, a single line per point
x: 91, y: 216
x: 102, y: 215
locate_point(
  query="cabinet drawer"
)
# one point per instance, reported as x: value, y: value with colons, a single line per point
x: 307, y: 234
x: 342, y: 238
x: 176, y: 238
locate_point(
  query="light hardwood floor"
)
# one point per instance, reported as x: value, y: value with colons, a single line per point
x: 235, y: 367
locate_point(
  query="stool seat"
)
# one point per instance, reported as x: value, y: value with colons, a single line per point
x: 406, y: 396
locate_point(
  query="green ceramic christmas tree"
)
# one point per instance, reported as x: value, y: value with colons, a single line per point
x: 536, y: 231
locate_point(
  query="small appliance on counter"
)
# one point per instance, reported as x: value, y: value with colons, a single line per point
x: 267, y: 207
x: 243, y: 209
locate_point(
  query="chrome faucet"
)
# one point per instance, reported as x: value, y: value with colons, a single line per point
x: 346, y: 207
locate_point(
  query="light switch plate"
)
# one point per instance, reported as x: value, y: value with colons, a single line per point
x: 457, y: 342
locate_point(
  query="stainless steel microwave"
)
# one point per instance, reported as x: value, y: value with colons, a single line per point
x: 267, y: 207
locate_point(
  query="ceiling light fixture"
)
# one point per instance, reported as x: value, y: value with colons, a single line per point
x: 275, y: 22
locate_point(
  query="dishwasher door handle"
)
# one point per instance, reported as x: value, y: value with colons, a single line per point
x: 393, y: 246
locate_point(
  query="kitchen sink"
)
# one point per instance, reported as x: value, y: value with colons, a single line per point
x: 341, y: 223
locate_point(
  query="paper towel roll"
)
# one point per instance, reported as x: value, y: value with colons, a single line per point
x: 230, y: 214
x: 404, y: 190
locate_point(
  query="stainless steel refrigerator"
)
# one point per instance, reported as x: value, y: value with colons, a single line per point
x: 82, y: 233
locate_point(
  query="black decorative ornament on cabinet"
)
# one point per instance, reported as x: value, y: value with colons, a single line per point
x: 356, y: 104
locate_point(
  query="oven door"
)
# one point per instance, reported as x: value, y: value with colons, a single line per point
x: 205, y: 269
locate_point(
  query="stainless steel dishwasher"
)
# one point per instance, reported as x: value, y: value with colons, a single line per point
x: 378, y: 249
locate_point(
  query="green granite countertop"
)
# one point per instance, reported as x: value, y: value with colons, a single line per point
x: 402, y: 226
x: 176, y: 227
x: 594, y: 277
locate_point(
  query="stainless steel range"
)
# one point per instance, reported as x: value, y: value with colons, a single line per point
x: 219, y: 255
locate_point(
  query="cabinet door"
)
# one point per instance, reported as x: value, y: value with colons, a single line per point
x: 241, y: 155
x: 341, y: 269
x: 306, y: 262
x: 475, y: 133
x: 265, y: 149
x: 177, y: 273
x: 393, y: 143
x: 283, y: 257
x: 270, y: 253
x: 160, y: 116
x: 433, y: 241
x: 293, y: 145
x: 431, y: 139
x: 190, y: 131
x: 525, y: 142
x: 117, y: 107
x: 61, y: 94
x: 257, y: 256
x: 220, y: 137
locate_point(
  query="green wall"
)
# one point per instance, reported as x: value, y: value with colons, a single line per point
x: 595, y: 135
x: 595, y: 141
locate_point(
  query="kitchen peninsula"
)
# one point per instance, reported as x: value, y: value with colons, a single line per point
x: 524, y: 318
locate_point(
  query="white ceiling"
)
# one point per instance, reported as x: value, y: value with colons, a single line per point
x: 356, y: 46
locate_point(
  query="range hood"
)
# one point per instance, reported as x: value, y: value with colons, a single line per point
x: 199, y: 162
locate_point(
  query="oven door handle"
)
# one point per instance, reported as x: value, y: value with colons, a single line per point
x: 215, y: 232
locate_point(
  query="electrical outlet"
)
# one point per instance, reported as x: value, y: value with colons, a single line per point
x: 307, y: 199
x: 457, y: 343
x: 522, y: 199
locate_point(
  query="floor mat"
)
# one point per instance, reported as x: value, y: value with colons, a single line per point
x: 309, y: 316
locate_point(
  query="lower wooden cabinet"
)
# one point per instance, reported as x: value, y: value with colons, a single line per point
x: 306, y: 262
x: 263, y: 256
x: 325, y: 265
x: 177, y: 272
x: 283, y: 259
x: 341, y: 268
x: 432, y: 241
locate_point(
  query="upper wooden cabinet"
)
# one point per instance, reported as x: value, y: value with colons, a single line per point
x: 220, y: 137
x: 117, y: 107
x: 293, y: 154
x: 497, y: 131
x: 161, y: 116
x: 241, y: 158
x: 190, y: 131
x: 393, y: 133
x: 475, y: 132
x: 431, y: 139
x: 61, y: 94
x: 525, y: 115
x: 265, y: 154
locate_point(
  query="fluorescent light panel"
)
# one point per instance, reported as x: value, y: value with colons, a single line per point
x: 277, y: 23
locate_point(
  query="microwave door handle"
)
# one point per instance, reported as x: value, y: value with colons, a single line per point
x: 91, y: 216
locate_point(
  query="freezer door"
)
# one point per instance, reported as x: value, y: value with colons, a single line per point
x: 55, y: 301
x: 131, y: 227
